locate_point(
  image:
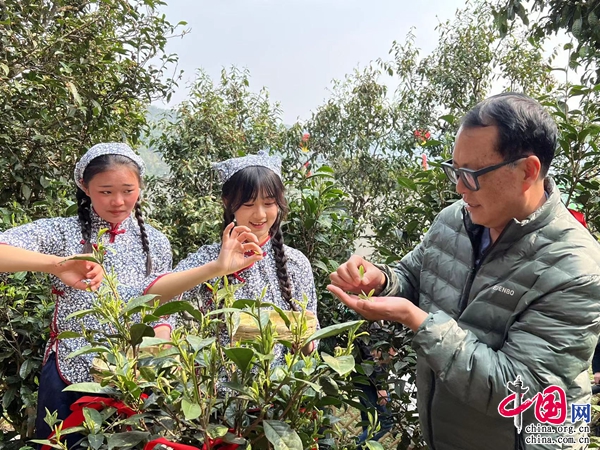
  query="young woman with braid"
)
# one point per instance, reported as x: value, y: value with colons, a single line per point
x: 253, y: 252
x: 108, y: 179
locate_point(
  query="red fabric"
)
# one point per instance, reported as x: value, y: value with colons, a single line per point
x: 579, y: 216
x: 150, y: 445
x: 219, y: 444
x: 114, y: 231
x: 76, y: 418
x: 152, y: 284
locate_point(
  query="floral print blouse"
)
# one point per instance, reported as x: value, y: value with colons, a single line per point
x: 62, y: 237
x: 255, y: 278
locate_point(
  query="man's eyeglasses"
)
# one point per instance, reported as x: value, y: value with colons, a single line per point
x: 469, y: 176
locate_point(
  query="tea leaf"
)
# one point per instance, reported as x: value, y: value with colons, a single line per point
x: 281, y: 436
x: 241, y: 356
x: 374, y: 445
x: 341, y: 364
x: 90, y: 388
x: 215, y: 431
x: 127, y: 439
x: 199, y: 343
x: 68, y: 335
x: 334, y: 330
x: 138, y: 303
x: 93, y: 419
x: 190, y: 410
x: 139, y: 331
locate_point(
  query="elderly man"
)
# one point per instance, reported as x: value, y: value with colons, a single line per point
x: 502, y: 293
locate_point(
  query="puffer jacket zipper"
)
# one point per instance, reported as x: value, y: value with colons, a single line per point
x: 429, y: 408
x: 464, y: 298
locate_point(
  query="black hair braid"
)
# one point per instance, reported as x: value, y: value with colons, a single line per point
x: 144, y: 234
x: 85, y: 219
x: 281, y: 265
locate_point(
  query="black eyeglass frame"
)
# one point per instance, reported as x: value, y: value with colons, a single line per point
x: 451, y: 172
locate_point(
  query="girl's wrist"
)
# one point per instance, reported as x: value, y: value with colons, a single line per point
x: 50, y: 264
x: 216, y: 269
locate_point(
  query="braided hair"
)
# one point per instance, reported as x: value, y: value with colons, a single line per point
x: 245, y: 186
x: 85, y: 219
x: 144, y: 235
x: 84, y: 202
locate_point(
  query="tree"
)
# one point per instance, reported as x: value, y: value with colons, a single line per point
x: 73, y: 73
x: 217, y: 122
x: 578, y: 19
x: 574, y: 105
x: 374, y: 140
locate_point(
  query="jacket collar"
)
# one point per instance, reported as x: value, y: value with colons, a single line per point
x: 516, y: 229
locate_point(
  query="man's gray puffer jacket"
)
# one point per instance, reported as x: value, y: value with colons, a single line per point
x: 531, y: 308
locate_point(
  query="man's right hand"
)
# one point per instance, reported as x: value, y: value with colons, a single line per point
x: 348, y: 276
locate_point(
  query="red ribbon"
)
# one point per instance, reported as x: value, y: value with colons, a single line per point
x: 76, y: 418
x: 150, y: 445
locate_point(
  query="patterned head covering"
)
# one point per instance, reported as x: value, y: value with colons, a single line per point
x: 110, y: 148
x: 227, y: 169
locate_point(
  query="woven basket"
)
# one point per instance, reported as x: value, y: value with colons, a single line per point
x: 98, y: 365
x: 248, y: 328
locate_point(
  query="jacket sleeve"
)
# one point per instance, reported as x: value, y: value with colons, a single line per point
x: 403, y: 279
x: 43, y: 236
x: 550, y: 343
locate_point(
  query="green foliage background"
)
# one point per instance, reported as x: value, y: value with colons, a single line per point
x: 76, y: 73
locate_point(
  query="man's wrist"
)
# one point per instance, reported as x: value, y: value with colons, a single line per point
x: 413, y: 317
x: 382, y: 284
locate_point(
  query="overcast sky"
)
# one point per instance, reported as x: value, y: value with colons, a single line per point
x: 296, y: 48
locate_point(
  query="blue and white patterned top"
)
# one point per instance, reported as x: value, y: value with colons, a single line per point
x: 255, y: 278
x: 62, y: 237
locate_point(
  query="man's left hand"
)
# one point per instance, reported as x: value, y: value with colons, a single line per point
x: 393, y: 309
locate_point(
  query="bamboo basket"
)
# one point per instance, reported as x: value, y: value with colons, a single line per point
x: 248, y: 328
x: 98, y: 365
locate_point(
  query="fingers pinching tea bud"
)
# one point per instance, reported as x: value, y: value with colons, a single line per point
x: 361, y: 271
